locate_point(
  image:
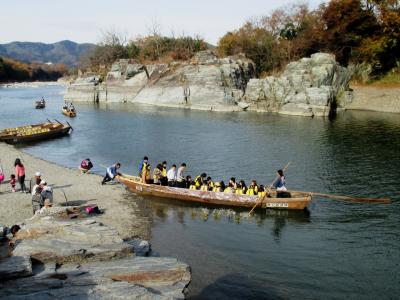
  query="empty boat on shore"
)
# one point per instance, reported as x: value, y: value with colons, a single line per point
x: 298, y: 201
x: 33, y: 133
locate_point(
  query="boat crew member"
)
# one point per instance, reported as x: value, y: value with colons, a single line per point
x: 200, y: 179
x: 157, y: 172
x: 143, y: 165
x: 279, y: 183
x: 146, y: 175
x: 111, y: 172
x: 253, y: 188
x: 164, y: 179
x: 171, y: 176
x: 180, y: 179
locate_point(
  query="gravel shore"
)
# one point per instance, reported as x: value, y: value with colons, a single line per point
x: 120, y: 210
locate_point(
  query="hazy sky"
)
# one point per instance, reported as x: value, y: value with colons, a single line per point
x: 82, y: 21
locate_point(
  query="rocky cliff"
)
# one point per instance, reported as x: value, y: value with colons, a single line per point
x: 205, y: 82
x: 308, y: 87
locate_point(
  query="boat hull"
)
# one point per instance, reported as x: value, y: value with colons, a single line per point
x: 297, y: 202
x: 68, y: 113
x: 53, y: 133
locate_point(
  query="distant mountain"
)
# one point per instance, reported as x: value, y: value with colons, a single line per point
x: 66, y: 52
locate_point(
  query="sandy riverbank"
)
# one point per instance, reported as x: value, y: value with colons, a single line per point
x: 376, y: 98
x: 120, y: 212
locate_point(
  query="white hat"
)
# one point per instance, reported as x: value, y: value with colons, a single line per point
x: 38, y: 174
x: 43, y: 182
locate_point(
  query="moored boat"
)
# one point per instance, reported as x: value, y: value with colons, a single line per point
x: 32, y: 133
x: 297, y: 201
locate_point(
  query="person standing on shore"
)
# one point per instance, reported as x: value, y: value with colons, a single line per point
x: 180, y: 179
x: 111, y: 172
x: 20, y: 174
x: 34, y: 181
x: 13, y: 181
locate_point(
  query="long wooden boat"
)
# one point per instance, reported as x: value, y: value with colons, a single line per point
x: 69, y: 113
x: 298, y: 201
x: 33, y: 133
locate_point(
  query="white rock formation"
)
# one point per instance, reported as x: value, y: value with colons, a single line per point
x: 307, y: 87
x: 206, y: 82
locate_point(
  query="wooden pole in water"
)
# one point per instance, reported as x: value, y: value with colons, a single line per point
x: 348, y: 198
x: 268, y: 190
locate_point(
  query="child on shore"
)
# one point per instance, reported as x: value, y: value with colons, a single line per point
x: 13, y: 181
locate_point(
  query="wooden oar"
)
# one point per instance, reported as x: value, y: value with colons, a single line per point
x: 267, y: 191
x: 347, y: 198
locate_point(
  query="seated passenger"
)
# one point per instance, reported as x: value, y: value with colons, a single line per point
x: 261, y: 191
x: 204, y: 186
x: 230, y: 189
x: 157, y: 174
x: 200, y: 179
x: 188, y: 181
x: 253, y: 188
x: 192, y: 185
x: 241, y: 188
x: 232, y: 182
x: 217, y: 187
x: 210, y: 183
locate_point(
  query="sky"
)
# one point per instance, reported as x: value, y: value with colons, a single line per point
x: 50, y: 21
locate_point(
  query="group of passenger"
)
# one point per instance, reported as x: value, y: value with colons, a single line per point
x: 175, y: 177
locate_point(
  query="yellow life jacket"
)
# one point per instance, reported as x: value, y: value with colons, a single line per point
x: 228, y: 190
x: 216, y: 189
x: 198, y: 181
x: 147, y: 172
x: 211, y: 184
x: 252, y: 190
x: 192, y: 187
x: 239, y: 191
x: 164, y: 172
x: 204, y: 188
x: 262, y: 194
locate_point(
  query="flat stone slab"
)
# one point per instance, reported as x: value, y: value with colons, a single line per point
x: 130, y: 278
x: 15, y: 266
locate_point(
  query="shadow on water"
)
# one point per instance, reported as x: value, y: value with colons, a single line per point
x: 237, y: 286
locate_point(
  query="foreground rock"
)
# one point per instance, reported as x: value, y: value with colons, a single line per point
x: 81, y: 258
x: 206, y: 82
x: 308, y: 87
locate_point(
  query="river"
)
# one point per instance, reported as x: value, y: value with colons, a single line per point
x: 334, y: 250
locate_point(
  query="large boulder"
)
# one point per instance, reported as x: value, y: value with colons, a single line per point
x: 307, y: 87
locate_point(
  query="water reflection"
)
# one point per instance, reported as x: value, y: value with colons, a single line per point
x: 164, y: 210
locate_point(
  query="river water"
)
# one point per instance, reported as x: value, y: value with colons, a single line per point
x: 334, y: 250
